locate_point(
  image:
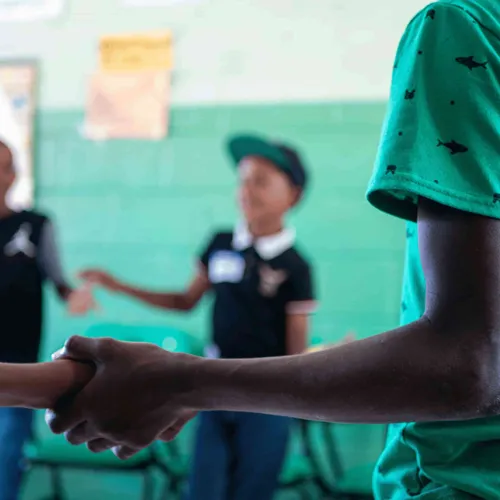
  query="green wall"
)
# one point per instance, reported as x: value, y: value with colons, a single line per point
x: 142, y: 210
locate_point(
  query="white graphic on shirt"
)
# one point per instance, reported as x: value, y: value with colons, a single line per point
x: 226, y: 267
x: 20, y: 242
x: 270, y: 280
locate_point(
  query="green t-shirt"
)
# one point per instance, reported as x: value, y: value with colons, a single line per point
x: 441, y: 140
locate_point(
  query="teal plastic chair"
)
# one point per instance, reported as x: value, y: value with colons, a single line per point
x: 345, y: 457
x: 301, y: 474
x: 55, y: 454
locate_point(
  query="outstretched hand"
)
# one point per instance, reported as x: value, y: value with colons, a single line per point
x: 81, y: 301
x: 135, y: 397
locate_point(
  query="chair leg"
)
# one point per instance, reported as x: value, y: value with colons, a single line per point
x: 56, y: 483
x: 172, y: 488
x: 148, y: 486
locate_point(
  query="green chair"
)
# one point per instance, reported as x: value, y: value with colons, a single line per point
x: 345, y: 456
x: 55, y: 454
x: 301, y: 473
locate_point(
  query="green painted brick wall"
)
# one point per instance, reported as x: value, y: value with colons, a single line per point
x: 144, y: 209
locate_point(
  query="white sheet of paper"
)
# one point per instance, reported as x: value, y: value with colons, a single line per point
x: 29, y: 10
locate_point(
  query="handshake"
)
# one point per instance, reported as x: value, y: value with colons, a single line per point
x: 108, y: 394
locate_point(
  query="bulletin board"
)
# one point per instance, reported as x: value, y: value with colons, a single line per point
x: 17, y: 115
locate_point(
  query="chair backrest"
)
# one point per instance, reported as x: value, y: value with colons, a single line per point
x: 342, y: 451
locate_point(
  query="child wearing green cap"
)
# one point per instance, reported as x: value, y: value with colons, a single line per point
x: 263, y: 296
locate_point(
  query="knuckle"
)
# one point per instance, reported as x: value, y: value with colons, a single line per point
x: 105, y: 347
x: 53, y: 423
x: 98, y: 445
x: 93, y: 447
x: 71, y: 343
x: 73, y: 437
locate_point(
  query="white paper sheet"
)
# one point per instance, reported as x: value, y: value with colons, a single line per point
x: 29, y: 10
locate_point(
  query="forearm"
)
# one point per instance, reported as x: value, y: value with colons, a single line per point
x: 408, y: 374
x: 41, y: 385
x: 174, y: 301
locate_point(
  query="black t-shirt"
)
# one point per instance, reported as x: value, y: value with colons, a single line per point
x: 253, y: 296
x: 21, y: 282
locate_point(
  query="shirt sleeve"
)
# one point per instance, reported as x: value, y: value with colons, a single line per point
x: 301, y: 297
x: 48, y: 255
x: 441, y: 138
x: 204, y: 255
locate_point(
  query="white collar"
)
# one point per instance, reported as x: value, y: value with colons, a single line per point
x: 268, y: 247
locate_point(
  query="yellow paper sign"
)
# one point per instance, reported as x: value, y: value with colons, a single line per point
x: 136, y: 52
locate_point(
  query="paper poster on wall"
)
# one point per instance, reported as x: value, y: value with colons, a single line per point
x: 17, y: 112
x: 139, y: 52
x: 29, y: 10
x: 128, y: 105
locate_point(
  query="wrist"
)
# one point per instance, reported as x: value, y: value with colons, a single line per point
x: 199, y: 381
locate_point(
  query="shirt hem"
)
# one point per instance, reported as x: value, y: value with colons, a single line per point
x: 381, y: 195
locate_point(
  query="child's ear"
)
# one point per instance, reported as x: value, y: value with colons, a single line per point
x: 296, y: 196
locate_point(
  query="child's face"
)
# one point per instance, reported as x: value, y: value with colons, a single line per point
x: 7, y: 173
x: 264, y: 191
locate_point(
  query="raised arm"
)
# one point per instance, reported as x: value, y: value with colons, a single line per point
x: 183, y: 300
x: 175, y: 301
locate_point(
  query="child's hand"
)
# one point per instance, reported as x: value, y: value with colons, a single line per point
x: 81, y: 301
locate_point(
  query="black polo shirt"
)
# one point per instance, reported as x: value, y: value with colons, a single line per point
x: 27, y: 257
x: 256, y: 285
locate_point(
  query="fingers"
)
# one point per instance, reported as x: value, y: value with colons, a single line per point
x: 99, y: 445
x: 66, y: 416
x: 171, y: 432
x: 89, y: 274
x: 81, y: 349
x: 82, y: 433
x: 81, y: 301
x: 124, y: 452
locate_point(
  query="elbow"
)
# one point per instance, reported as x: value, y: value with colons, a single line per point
x: 477, y: 390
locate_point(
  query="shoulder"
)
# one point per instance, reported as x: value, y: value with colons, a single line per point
x: 219, y: 240
x: 452, y: 8
x: 35, y: 217
x: 443, y: 23
x: 295, y: 260
x: 222, y: 238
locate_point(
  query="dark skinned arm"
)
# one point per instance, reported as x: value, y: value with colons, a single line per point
x: 175, y: 301
x: 443, y: 367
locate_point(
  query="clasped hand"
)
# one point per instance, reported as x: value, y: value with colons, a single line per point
x: 137, y: 396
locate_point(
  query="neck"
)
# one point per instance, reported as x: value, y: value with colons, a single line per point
x: 4, y: 209
x: 265, y: 228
